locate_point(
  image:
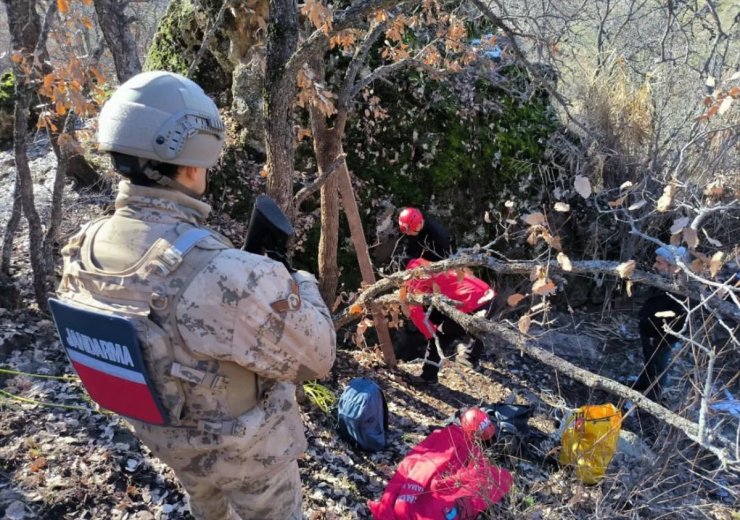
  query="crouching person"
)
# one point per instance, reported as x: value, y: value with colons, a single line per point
x: 197, y: 344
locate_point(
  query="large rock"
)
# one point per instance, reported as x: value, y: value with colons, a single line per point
x: 631, y: 447
x: 179, y: 38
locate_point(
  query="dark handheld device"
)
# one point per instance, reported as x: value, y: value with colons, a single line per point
x: 269, y: 231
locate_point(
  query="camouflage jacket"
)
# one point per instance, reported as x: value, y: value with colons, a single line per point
x: 240, y: 308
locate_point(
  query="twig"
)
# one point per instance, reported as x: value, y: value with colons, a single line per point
x: 305, y: 192
x: 207, y: 38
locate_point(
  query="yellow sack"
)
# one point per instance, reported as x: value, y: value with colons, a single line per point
x: 590, y: 440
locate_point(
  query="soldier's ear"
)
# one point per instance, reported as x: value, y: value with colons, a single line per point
x: 186, y: 173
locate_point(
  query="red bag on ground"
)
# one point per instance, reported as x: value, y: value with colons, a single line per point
x: 469, y: 291
x: 444, y: 477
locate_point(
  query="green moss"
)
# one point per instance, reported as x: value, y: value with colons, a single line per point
x: 173, y: 37
x: 7, y: 91
x: 176, y: 43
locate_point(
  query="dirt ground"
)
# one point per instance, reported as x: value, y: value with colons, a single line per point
x: 62, y: 459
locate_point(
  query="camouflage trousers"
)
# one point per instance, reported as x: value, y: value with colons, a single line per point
x: 274, y: 496
x: 236, y: 493
x: 222, y: 479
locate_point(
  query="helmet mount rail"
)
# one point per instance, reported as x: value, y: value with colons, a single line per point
x: 180, y: 127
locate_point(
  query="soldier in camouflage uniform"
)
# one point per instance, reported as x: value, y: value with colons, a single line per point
x: 229, y: 333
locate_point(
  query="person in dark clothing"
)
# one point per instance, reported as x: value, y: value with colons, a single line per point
x: 661, y: 310
x: 428, y: 239
x: 425, y: 237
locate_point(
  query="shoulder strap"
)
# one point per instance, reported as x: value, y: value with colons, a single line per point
x: 172, y: 256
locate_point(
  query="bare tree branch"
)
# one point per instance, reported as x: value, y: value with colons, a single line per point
x: 307, y: 191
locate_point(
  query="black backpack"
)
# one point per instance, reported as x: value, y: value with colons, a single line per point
x: 512, y: 429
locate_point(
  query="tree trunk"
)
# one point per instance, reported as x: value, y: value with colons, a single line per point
x: 115, y: 25
x: 280, y: 94
x: 12, y: 228
x: 57, y: 194
x: 25, y: 32
x: 23, y: 96
x: 326, y: 147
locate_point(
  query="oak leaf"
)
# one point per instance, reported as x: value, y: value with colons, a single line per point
x: 514, y: 299
x: 625, y: 269
x: 524, y: 323
x: 725, y: 105
x: 564, y: 262
x: 553, y: 241
x: 583, y: 186
x: 38, y: 464
x: 544, y: 287
x: 715, y: 264
x: 664, y: 202
x: 537, y: 272
x: 318, y: 14
x: 679, y: 224
x: 691, y: 237
x: 534, y: 219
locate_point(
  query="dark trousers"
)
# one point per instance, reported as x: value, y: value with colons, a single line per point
x: 656, y: 352
x: 450, y: 332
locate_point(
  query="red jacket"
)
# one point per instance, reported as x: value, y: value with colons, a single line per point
x: 471, y: 292
x: 444, y: 477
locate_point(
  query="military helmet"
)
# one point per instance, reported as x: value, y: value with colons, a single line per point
x: 164, y: 117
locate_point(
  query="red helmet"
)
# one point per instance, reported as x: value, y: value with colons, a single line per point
x: 410, y: 221
x: 477, y: 424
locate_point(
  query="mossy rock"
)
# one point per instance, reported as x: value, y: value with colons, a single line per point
x: 455, y: 148
x: 177, y: 41
x: 7, y: 102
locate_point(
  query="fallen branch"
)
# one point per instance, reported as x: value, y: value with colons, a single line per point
x: 470, y: 258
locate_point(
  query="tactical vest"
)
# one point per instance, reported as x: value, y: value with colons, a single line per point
x: 120, y: 332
